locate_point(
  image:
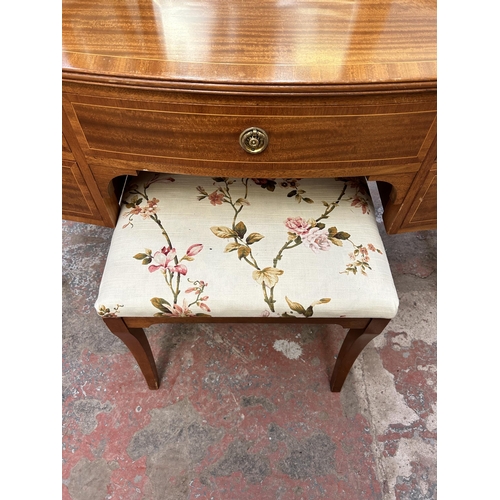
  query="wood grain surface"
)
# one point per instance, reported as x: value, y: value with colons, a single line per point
x: 260, y: 42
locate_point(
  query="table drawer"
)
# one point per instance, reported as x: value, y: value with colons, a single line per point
x: 209, y: 135
x: 423, y: 211
x: 77, y: 201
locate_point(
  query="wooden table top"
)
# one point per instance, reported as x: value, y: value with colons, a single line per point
x: 293, y: 43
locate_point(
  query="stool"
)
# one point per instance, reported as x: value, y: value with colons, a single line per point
x: 201, y: 249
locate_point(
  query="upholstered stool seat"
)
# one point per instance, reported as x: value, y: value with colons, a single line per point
x: 199, y: 248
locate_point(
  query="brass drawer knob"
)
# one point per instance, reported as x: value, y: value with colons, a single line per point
x: 254, y: 140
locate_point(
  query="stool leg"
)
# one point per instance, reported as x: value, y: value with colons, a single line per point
x: 354, y: 342
x: 135, y: 339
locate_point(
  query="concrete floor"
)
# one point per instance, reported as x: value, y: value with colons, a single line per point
x: 235, y: 418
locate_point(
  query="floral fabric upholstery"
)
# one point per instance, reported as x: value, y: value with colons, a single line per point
x: 232, y: 247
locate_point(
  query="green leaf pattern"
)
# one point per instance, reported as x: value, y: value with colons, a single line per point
x: 311, y: 233
x: 172, y: 268
x: 166, y: 262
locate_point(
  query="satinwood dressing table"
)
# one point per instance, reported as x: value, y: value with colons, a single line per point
x: 334, y: 88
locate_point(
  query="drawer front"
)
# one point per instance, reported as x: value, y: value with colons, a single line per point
x: 77, y: 202
x: 316, y: 135
x: 423, y: 211
x: 66, y: 150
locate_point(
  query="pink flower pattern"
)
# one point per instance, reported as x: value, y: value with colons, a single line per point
x: 360, y: 259
x: 362, y: 203
x: 199, y: 300
x: 216, y: 198
x: 312, y: 234
x: 179, y: 311
x: 146, y: 211
x: 317, y: 240
x: 298, y: 226
x: 164, y: 260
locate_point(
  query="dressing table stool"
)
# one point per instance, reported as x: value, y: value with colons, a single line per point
x: 199, y: 249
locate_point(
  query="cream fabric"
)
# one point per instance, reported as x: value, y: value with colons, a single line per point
x: 246, y: 248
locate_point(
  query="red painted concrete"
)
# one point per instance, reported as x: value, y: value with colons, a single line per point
x: 234, y: 418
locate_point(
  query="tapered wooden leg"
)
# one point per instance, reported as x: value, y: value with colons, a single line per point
x: 354, y: 343
x: 135, y: 339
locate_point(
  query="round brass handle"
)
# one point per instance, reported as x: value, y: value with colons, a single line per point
x: 254, y: 140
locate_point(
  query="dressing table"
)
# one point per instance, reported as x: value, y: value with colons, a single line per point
x: 255, y: 90
x: 335, y: 88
